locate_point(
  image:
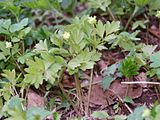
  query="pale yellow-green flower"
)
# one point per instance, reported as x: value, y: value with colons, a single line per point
x: 158, y: 14
x: 8, y: 44
x: 92, y: 20
x: 66, y: 35
x: 146, y: 113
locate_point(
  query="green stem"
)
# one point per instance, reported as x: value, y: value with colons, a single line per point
x: 89, y: 91
x: 19, y: 67
x: 78, y: 89
x: 131, y: 17
x: 69, y: 99
x: 111, y: 14
x: 63, y: 91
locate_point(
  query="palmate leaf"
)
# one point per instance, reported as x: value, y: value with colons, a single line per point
x: 35, y: 72
x: 155, y: 59
x: 51, y: 73
x: 4, y: 26
x: 109, y: 76
x: 100, y: 114
x: 34, y: 112
x: 137, y: 114
x: 112, y: 27
x: 102, y: 4
x: 128, y: 67
x: 85, y: 60
x: 41, y: 46
x: 10, y: 75
x: 14, y: 108
x: 148, y: 50
x: 18, y: 26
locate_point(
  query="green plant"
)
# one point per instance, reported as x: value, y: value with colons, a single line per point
x: 128, y: 67
x: 154, y: 58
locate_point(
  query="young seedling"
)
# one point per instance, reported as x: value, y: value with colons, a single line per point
x: 128, y: 67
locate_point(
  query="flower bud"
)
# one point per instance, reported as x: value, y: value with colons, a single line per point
x: 8, y: 44
x: 66, y: 35
x: 92, y: 20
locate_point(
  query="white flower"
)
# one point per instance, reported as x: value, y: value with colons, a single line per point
x: 66, y: 35
x: 146, y: 113
x: 92, y: 20
x: 8, y: 44
x: 158, y: 14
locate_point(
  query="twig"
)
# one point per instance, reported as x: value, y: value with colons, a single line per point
x: 129, y: 109
x: 89, y: 92
x: 156, y: 90
x: 138, y: 82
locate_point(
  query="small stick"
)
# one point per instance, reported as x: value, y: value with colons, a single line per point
x: 129, y: 109
x: 89, y: 92
x: 152, y: 83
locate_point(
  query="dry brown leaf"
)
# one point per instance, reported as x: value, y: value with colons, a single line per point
x: 105, y: 98
x: 142, y: 78
x: 34, y: 100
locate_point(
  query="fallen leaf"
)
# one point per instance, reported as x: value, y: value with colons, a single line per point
x: 105, y: 98
x: 34, y: 100
x: 142, y: 78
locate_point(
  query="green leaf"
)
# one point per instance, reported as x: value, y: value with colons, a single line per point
x: 18, y: 26
x: 120, y: 117
x: 102, y: 4
x: 12, y: 104
x: 155, y: 59
x: 24, y: 32
x: 4, y: 26
x: 22, y: 59
x: 15, y: 39
x: 32, y: 113
x: 35, y: 72
x: 17, y: 114
x: 109, y: 76
x: 128, y: 67
x: 41, y: 46
x: 2, y: 57
x: 10, y: 75
x: 128, y: 100
x: 141, y: 2
x: 137, y: 114
x: 148, y: 50
x: 100, y: 29
x: 37, y: 4
x: 112, y: 27
x: 100, y: 114
x: 110, y: 70
x: 107, y: 80
x: 56, y: 116
x: 85, y: 60
x: 139, y: 23
x: 51, y: 72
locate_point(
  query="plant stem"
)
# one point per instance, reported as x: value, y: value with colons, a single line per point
x: 111, y: 14
x: 131, y: 17
x: 89, y: 92
x: 68, y: 98
x: 129, y: 109
x: 13, y: 87
x: 65, y: 94
x: 19, y: 67
x: 78, y: 89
